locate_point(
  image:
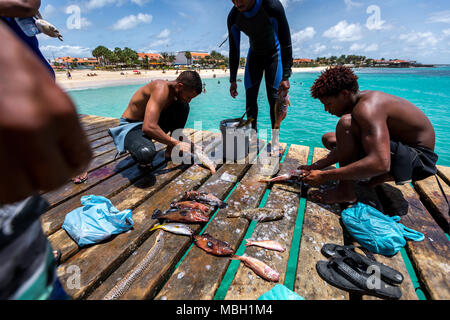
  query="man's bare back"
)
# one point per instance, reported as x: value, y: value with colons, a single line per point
x: 138, y: 103
x: 405, y: 122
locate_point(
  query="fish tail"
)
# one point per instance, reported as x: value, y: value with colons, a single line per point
x: 249, y: 242
x: 156, y: 226
x: 235, y: 257
x: 157, y: 214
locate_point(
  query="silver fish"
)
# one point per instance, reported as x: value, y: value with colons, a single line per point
x: 259, y: 267
x: 259, y: 214
x: 123, y: 285
x: 177, y: 228
x: 266, y: 244
x: 48, y: 29
x: 205, y: 160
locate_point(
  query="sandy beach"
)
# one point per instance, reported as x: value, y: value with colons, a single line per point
x: 81, y: 80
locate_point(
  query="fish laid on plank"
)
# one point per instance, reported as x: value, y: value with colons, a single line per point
x: 206, y: 198
x: 212, y: 245
x: 259, y: 214
x: 294, y: 175
x: 259, y: 267
x: 180, y: 215
x: 125, y: 283
x: 191, y: 205
x: 177, y: 228
x: 266, y: 244
x: 205, y: 160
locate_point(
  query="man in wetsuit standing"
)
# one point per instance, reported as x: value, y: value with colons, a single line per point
x: 265, y: 23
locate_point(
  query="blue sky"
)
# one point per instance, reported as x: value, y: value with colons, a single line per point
x: 405, y: 29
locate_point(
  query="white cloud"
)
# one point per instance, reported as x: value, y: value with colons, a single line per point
x: 420, y: 39
x: 305, y: 34
x: 47, y: 11
x: 318, y: 48
x: 139, y: 2
x: 65, y: 50
x: 372, y: 47
x: 350, y: 4
x: 442, y: 16
x: 132, y: 21
x: 446, y: 32
x: 357, y: 47
x: 95, y: 4
x: 344, y: 32
x: 85, y: 23
x: 157, y: 44
x: 164, y: 34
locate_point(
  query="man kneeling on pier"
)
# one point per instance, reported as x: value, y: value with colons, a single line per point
x: 154, y: 110
x: 378, y: 138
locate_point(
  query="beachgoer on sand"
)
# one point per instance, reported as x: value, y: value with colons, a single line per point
x: 155, y: 110
x: 41, y: 156
x: 270, y: 53
x: 379, y: 137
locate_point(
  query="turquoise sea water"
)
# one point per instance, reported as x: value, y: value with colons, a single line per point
x: 427, y: 88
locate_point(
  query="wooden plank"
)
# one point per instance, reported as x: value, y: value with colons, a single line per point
x: 429, y: 257
x: 101, y: 142
x: 368, y: 196
x: 193, y: 279
x: 246, y: 284
x: 96, y: 123
x: 103, y: 127
x: 321, y: 225
x: 146, y: 285
x: 99, y: 135
x: 97, y: 262
x: 444, y: 173
x: 432, y: 196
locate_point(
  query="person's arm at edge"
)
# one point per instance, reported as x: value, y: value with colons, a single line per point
x: 234, y: 51
x: 376, y: 143
x: 19, y: 8
x: 284, y: 37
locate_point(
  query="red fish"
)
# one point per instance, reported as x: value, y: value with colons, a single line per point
x: 180, y: 215
x: 259, y: 267
x: 204, y: 197
x: 266, y: 244
x: 212, y: 245
x: 191, y: 205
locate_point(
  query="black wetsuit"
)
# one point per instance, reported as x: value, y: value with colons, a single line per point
x: 141, y: 147
x: 270, y: 51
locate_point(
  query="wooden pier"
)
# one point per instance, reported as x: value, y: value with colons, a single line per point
x: 181, y: 271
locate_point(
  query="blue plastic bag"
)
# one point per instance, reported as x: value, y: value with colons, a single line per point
x: 96, y: 221
x: 280, y: 292
x: 376, y: 231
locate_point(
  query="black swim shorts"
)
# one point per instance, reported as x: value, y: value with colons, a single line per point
x: 411, y: 163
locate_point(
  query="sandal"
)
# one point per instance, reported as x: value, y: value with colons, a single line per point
x: 81, y: 178
x: 363, y: 262
x: 57, y: 256
x: 343, y: 274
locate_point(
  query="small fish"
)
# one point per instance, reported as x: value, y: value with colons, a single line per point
x: 281, y: 106
x: 259, y: 214
x: 206, y: 161
x: 204, y: 197
x: 293, y: 175
x: 212, y: 245
x: 176, y: 228
x: 178, y: 215
x: 266, y: 244
x: 48, y: 29
x: 259, y: 267
x: 190, y: 205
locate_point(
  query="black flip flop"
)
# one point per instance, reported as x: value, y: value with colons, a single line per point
x: 340, y: 273
x: 57, y: 256
x: 388, y: 274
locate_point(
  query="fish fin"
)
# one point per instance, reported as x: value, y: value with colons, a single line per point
x: 157, y: 214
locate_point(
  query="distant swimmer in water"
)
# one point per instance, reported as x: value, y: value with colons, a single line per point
x: 379, y: 137
x: 155, y: 110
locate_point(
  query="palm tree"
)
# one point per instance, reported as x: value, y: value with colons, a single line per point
x: 188, y: 56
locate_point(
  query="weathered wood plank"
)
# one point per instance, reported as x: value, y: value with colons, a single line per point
x: 101, y: 142
x: 98, y: 135
x: 444, y: 173
x: 97, y: 262
x: 103, y: 127
x: 246, y: 284
x: 432, y: 196
x: 193, y: 279
x: 368, y: 196
x: 321, y: 225
x: 96, y: 123
x: 175, y: 246
x: 429, y: 257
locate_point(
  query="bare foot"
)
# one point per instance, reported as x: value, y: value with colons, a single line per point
x: 81, y: 178
x: 332, y: 196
